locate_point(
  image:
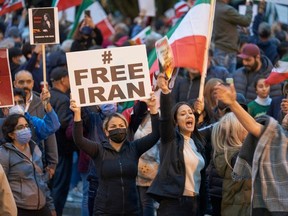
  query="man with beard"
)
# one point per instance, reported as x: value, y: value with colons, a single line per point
x: 255, y: 66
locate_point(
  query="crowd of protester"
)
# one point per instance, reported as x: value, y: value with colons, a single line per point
x: 223, y: 154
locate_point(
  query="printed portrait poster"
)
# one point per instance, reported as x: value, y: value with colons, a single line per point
x: 43, y: 25
x: 165, y: 56
x: 6, y: 93
x: 109, y: 75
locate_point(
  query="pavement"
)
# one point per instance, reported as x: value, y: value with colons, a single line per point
x: 72, y: 208
x: 74, y: 201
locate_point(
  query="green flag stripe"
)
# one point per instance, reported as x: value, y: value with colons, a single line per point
x: 285, y: 58
x: 85, y: 4
x: 203, y: 2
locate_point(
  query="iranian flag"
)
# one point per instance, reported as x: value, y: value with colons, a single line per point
x: 279, y: 73
x: 98, y: 16
x: 64, y: 4
x: 189, y: 37
x: 11, y: 5
x: 141, y: 36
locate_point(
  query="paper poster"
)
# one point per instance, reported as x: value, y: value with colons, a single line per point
x: 6, y: 93
x: 109, y: 75
x: 43, y: 25
x: 165, y: 56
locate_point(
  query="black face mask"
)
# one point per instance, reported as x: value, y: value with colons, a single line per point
x: 118, y: 135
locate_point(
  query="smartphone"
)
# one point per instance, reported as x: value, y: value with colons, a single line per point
x: 87, y: 12
x: 229, y: 80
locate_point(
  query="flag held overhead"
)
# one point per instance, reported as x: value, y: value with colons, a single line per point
x: 189, y: 37
x: 279, y: 73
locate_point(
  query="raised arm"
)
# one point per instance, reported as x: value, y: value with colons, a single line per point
x: 227, y: 94
x: 50, y: 122
x: 151, y: 139
x: 166, y: 122
x: 88, y: 146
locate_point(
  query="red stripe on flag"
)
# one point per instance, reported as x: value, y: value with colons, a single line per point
x: 189, y: 52
x: 275, y: 78
x: 64, y: 4
x: 8, y: 9
x: 106, y: 28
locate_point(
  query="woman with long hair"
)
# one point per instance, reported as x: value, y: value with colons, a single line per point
x: 179, y: 186
x: 227, y: 138
x: 116, y: 160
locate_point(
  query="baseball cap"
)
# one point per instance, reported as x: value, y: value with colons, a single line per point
x: 58, y: 73
x: 249, y: 50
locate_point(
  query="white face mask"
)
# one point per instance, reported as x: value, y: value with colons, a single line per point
x: 22, y: 60
x: 17, y: 109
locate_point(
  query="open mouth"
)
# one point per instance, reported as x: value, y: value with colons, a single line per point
x: 189, y: 123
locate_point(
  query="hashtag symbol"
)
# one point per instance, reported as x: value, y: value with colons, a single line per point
x: 107, y: 57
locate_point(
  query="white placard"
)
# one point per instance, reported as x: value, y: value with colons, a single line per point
x: 109, y: 75
x: 148, y: 6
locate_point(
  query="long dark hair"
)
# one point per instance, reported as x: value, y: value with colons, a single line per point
x: 195, y: 133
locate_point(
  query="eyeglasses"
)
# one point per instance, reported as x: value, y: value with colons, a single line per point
x: 20, y: 127
x: 19, y: 102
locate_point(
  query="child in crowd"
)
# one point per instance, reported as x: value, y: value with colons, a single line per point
x: 261, y: 104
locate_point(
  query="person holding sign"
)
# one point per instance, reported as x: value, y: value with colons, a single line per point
x: 116, y: 160
x: 179, y: 185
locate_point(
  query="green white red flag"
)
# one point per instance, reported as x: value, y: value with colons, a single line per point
x: 141, y: 36
x: 188, y: 38
x: 11, y: 5
x: 98, y: 16
x: 64, y: 4
x: 279, y: 73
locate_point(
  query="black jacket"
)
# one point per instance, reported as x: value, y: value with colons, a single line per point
x: 60, y: 103
x: 117, y: 192
x: 244, y: 81
x: 170, y: 180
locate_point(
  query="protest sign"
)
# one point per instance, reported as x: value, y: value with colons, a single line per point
x: 43, y: 25
x: 109, y: 75
x: 6, y: 93
x: 165, y: 56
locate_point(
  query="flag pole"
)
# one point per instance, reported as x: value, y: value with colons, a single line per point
x: 208, y: 41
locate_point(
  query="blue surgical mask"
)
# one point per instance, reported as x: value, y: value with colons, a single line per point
x: 23, y: 136
x: 17, y: 109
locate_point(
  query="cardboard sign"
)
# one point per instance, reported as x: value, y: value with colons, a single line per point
x: 43, y: 25
x: 6, y: 93
x: 165, y: 56
x: 109, y: 75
